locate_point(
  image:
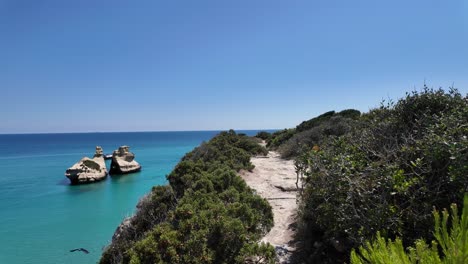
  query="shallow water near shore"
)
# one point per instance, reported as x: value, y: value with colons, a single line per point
x: 42, y: 217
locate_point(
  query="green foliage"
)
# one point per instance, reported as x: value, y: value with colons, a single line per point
x: 151, y: 210
x: 227, y: 148
x: 395, y: 163
x: 279, y: 137
x: 317, y: 121
x: 310, y: 133
x: 263, y: 135
x: 393, y: 252
x: 262, y: 253
x: 454, y: 244
x: 350, y: 113
x: 305, y: 125
x: 206, y: 215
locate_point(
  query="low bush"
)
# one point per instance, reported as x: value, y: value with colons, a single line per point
x: 291, y: 142
x: 279, y: 137
x: 387, y: 173
x: 152, y: 209
x: 450, y: 246
x: 303, y: 141
x: 263, y: 135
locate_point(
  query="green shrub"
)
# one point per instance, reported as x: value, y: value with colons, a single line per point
x: 152, y: 209
x: 207, y: 213
x: 257, y: 253
x: 279, y: 137
x: 332, y: 126
x: 263, y: 135
x: 395, y: 164
x: 305, y: 125
x: 291, y: 142
x: 350, y: 113
x: 453, y: 242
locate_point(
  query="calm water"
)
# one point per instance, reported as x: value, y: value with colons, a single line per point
x: 42, y: 217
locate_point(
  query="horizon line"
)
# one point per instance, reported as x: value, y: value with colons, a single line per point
x: 141, y: 131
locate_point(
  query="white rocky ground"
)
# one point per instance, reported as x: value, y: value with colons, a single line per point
x: 275, y: 179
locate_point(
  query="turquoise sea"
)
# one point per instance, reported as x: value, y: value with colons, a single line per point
x: 42, y: 217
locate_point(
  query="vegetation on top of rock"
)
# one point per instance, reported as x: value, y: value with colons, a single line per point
x: 207, y: 213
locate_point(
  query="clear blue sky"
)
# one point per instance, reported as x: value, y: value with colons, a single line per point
x: 83, y: 66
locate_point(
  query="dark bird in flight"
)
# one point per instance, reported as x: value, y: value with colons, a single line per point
x: 80, y: 249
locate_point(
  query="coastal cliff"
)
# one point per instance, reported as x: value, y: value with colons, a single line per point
x: 207, y: 213
x: 356, y: 174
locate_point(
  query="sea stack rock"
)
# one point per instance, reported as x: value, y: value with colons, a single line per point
x: 88, y: 170
x: 123, y: 161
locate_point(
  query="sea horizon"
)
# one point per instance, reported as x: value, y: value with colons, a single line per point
x: 143, y: 131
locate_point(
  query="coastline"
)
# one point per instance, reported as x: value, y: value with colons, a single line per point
x: 177, y: 222
x: 65, y: 216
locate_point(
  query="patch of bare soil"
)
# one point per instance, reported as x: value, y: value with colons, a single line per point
x: 274, y: 179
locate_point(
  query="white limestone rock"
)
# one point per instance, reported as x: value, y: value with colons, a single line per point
x: 88, y: 170
x: 123, y: 162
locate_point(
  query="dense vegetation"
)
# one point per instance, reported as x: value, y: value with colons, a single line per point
x: 363, y: 177
x: 207, y: 213
x: 453, y: 242
x: 291, y: 142
x: 380, y: 171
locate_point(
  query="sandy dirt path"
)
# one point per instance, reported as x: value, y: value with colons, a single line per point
x: 274, y: 178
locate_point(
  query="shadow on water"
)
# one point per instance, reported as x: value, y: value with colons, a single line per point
x: 64, y: 182
x: 121, y: 178
x: 85, y: 188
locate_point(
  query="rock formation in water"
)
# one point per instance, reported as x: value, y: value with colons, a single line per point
x: 123, y: 162
x: 88, y: 170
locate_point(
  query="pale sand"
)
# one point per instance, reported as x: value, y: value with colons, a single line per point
x: 269, y: 172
